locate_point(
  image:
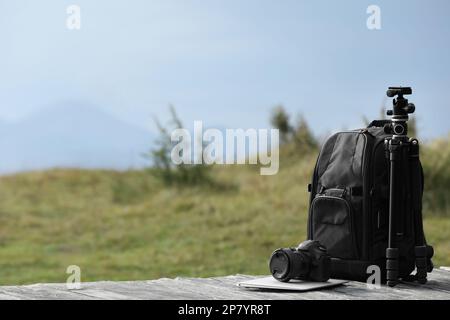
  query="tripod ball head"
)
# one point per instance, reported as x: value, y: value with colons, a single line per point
x: 401, y: 107
x: 409, y: 108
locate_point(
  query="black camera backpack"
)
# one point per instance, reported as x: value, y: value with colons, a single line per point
x: 349, y: 205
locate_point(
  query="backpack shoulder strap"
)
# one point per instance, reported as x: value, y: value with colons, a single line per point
x: 423, y: 252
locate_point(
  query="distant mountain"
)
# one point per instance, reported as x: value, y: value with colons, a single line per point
x: 72, y: 134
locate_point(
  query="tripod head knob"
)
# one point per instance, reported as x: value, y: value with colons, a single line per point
x: 398, y: 91
x: 410, y: 108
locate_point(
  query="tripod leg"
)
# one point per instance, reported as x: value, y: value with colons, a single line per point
x: 392, y: 253
x: 392, y: 266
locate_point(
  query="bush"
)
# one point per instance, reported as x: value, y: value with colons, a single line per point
x: 295, y: 139
x: 435, y: 158
x: 279, y: 119
x: 164, y: 169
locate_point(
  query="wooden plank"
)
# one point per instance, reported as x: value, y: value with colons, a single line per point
x: 137, y: 290
x: 40, y: 291
x: 4, y: 296
x: 438, y: 287
x: 101, y: 294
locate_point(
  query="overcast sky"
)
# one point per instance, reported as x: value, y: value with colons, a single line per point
x: 226, y: 62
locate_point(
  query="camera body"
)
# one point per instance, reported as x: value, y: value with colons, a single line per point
x: 309, y: 261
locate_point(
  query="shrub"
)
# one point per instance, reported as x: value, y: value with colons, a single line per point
x: 435, y: 158
x: 165, y: 169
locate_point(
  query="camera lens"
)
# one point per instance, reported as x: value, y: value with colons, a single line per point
x: 279, y: 265
x: 288, y: 263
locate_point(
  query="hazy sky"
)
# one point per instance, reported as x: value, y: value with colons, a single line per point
x: 226, y: 62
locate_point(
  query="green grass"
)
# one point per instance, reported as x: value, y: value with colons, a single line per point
x: 126, y: 226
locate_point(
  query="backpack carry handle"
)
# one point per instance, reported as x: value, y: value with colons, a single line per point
x: 378, y: 123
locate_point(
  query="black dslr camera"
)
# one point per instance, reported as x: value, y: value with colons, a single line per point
x: 309, y: 261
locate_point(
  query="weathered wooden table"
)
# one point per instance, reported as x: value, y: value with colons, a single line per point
x: 438, y: 287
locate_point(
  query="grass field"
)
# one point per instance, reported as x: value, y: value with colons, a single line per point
x: 127, y: 225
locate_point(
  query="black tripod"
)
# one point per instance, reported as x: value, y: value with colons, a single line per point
x: 401, y: 151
